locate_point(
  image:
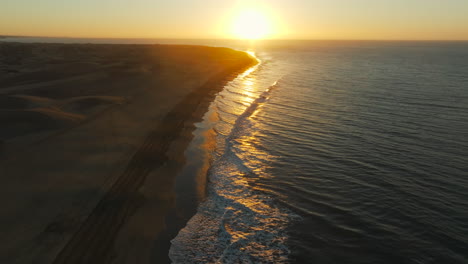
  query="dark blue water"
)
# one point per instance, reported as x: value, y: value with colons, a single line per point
x: 339, y: 153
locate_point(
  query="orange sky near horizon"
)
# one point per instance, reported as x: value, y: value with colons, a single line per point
x: 282, y: 19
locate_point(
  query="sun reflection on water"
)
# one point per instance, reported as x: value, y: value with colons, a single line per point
x: 242, y: 222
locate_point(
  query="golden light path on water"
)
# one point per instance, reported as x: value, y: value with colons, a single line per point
x: 235, y: 222
x: 249, y: 82
x: 255, y: 95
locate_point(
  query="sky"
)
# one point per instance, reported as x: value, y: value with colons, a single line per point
x: 192, y: 19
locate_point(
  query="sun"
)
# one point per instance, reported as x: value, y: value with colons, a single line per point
x: 251, y: 24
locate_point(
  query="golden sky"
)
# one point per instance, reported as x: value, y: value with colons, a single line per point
x: 283, y: 19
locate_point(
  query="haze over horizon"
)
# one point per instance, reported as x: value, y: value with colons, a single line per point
x: 195, y: 19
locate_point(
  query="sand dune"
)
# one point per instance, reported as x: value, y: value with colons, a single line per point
x: 21, y: 122
x: 85, y: 102
x: 22, y: 101
x: 24, y: 114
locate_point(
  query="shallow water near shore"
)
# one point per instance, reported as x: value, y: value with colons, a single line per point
x: 347, y: 153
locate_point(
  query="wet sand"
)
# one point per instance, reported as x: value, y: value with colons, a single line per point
x: 92, y: 139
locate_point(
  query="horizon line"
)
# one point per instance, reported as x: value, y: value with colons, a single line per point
x: 231, y: 39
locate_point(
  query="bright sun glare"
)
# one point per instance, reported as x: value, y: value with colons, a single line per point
x: 251, y: 24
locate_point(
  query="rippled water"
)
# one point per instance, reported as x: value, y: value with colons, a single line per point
x: 352, y: 153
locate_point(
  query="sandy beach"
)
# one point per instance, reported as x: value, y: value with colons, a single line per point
x: 91, y: 140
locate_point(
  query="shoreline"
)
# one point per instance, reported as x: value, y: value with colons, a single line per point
x: 127, y: 221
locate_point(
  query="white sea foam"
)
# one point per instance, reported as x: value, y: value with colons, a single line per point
x: 235, y: 223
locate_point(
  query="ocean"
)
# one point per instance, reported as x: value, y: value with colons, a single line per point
x: 336, y: 152
x: 330, y: 152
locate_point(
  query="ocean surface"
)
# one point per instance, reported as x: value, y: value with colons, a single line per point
x: 343, y: 152
x: 332, y: 152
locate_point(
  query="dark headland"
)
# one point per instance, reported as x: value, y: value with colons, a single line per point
x: 91, y: 140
